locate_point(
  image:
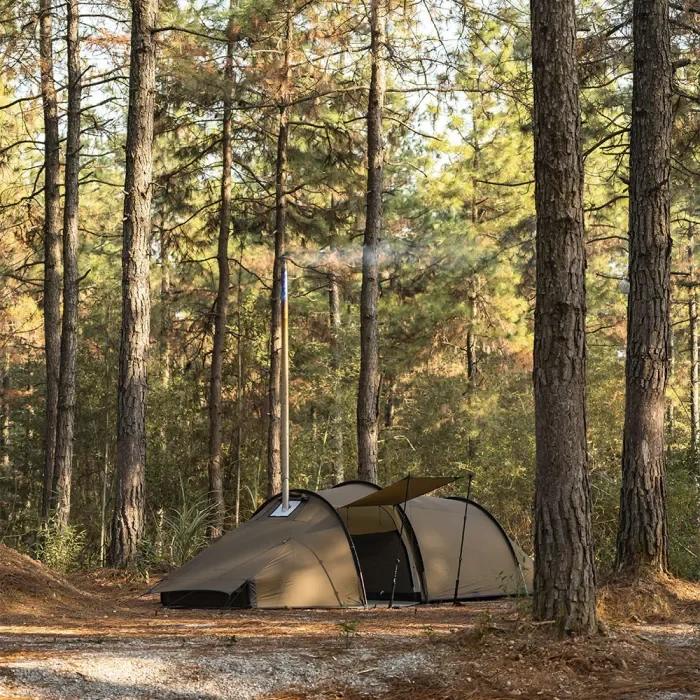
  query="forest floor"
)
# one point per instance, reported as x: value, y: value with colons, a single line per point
x: 95, y: 636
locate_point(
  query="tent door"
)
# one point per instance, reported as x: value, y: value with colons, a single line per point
x: 377, y: 555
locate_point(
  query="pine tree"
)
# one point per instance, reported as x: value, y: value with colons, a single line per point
x: 63, y: 471
x: 52, y: 248
x: 642, y: 541
x: 129, y: 509
x: 564, y: 566
x: 368, y: 393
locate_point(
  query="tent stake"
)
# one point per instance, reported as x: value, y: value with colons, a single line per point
x: 284, y: 390
x: 461, y: 544
x: 398, y: 549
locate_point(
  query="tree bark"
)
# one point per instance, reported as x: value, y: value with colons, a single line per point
x: 274, y: 454
x: 166, y: 318
x: 239, y: 385
x: 63, y: 470
x: 670, y: 410
x: 128, y: 521
x: 642, y: 540
x: 216, y: 484
x: 694, y: 354
x: 564, y: 564
x: 336, y: 418
x: 5, y: 406
x: 52, y: 248
x: 471, y: 341
x: 105, y: 460
x: 368, y: 391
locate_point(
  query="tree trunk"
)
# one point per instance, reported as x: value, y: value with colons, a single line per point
x: 642, y: 539
x: 128, y: 521
x: 368, y: 391
x: 390, y: 405
x: 63, y: 470
x: 52, y: 248
x: 670, y: 410
x: 336, y: 418
x: 216, y: 485
x: 239, y: 390
x: 166, y: 319
x: 5, y: 406
x: 274, y: 455
x: 694, y: 354
x: 564, y: 565
x: 471, y: 341
x: 235, y: 464
x: 105, y: 461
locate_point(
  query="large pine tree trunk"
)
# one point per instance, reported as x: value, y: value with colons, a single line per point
x: 642, y: 540
x: 216, y: 484
x: 52, y: 248
x: 368, y: 392
x: 274, y: 435
x: 335, y: 428
x: 63, y: 469
x: 564, y: 565
x: 128, y: 521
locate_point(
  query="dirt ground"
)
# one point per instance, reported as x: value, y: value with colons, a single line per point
x: 95, y: 636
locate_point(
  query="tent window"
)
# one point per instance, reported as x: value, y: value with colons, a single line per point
x: 280, y: 512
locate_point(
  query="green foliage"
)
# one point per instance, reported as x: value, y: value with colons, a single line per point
x: 349, y: 630
x: 60, y: 547
x: 183, y: 531
x: 431, y: 635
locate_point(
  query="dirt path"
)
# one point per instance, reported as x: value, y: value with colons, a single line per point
x: 132, y: 648
x: 93, y: 636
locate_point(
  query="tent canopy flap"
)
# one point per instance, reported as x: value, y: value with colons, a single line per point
x: 404, y: 490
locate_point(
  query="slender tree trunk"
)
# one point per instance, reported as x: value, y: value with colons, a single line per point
x: 694, y: 353
x: 5, y: 405
x: 368, y: 392
x: 166, y: 319
x: 216, y: 485
x: 390, y: 405
x: 336, y: 418
x: 240, y: 386
x: 642, y: 540
x: 105, y: 461
x: 52, y: 248
x: 472, y: 364
x: 63, y: 470
x: 235, y: 463
x: 670, y: 410
x: 129, y: 508
x: 694, y: 375
x: 564, y: 565
x: 471, y: 341
x: 239, y: 392
x: 274, y: 454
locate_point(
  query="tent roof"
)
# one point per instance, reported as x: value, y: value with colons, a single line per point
x: 404, y: 490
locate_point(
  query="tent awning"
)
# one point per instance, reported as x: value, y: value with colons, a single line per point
x: 404, y: 490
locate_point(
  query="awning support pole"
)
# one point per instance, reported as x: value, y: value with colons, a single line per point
x: 461, y: 543
x: 398, y: 549
x: 284, y: 390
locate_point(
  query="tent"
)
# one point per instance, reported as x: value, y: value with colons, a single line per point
x: 352, y: 545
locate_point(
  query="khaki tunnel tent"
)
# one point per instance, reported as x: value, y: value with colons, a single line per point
x: 345, y: 546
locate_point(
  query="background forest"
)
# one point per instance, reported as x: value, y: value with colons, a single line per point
x: 456, y: 258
